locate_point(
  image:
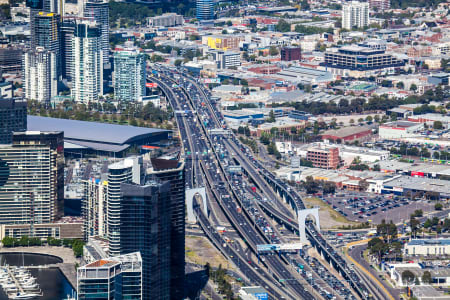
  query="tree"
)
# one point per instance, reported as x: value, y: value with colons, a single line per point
x: 438, y: 206
x: 387, y: 230
x: 437, y: 125
x: 400, y: 85
x: 352, y: 121
x: 178, y: 62
x: 394, y: 116
x: 413, y: 87
x: 363, y: 185
x: 273, y: 51
x: 369, y: 119
x: 283, y: 26
x: 311, y: 185
x: 426, y: 277
x: 328, y: 187
x: 271, y: 118
x: 8, y: 241
x: 418, y: 213
x: 408, y: 277
x: 414, y: 224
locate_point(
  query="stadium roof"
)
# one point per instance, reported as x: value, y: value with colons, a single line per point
x: 91, y: 131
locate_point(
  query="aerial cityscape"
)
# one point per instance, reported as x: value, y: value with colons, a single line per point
x: 225, y: 149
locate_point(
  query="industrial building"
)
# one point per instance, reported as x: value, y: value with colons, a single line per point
x: 100, y: 138
x: 347, y: 134
x: 399, y: 129
x: 405, y: 185
x: 305, y: 75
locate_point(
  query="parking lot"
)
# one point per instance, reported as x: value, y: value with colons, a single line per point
x: 364, y: 207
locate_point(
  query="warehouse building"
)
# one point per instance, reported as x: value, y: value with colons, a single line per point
x: 347, y: 134
x: 100, y: 138
x: 399, y: 129
x: 404, y: 186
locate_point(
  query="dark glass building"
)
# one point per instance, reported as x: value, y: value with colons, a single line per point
x: 145, y: 227
x: 67, y: 32
x: 205, y: 10
x: 13, y: 117
x: 45, y: 32
x: 173, y: 171
x: 98, y: 10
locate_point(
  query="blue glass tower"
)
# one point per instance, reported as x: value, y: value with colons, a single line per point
x: 205, y: 10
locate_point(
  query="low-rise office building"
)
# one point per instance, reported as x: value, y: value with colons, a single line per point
x: 356, y: 61
x: 166, y: 20
x: 324, y: 157
x: 427, y: 247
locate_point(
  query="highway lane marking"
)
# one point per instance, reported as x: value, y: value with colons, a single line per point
x: 364, y: 269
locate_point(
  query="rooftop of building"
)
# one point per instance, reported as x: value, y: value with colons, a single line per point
x: 346, y: 131
x: 427, y: 292
x: 280, y: 122
x: 100, y: 136
x: 429, y: 242
x: 130, y: 262
x: 253, y: 289
x: 400, y: 124
x: 420, y: 184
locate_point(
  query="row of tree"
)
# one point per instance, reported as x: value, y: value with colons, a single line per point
x: 132, y: 114
x: 359, y: 105
x: 25, y: 241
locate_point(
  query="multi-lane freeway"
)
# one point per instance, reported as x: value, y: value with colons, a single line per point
x: 207, y: 158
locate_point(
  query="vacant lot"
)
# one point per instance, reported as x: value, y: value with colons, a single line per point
x: 199, y: 250
x: 329, y: 218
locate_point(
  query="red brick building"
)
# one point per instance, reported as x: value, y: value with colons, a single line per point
x: 347, y: 133
x: 291, y: 53
x: 327, y: 158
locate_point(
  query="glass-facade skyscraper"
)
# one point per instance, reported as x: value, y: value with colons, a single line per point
x: 124, y: 171
x: 45, y: 32
x: 87, y: 57
x: 145, y: 227
x: 32, y: 178
x: 13, y: 117
x: 129, y: 75
x: 114, y: 278
x: 98, y: 11
x: 173, y: 172
x: 205, y: 10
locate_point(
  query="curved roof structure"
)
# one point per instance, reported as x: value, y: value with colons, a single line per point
x: 97, y: 136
